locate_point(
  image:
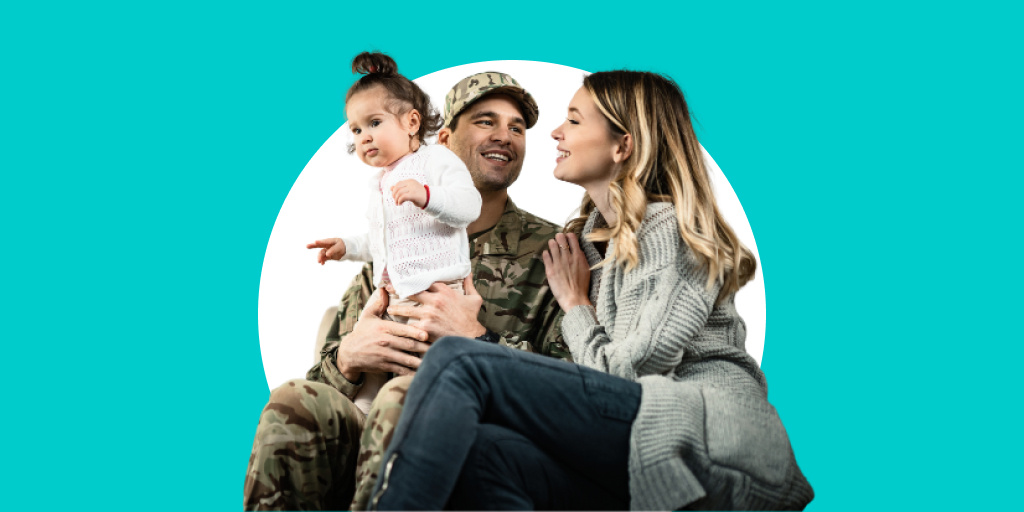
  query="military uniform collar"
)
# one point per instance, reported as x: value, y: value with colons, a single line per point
x: 504, y: 237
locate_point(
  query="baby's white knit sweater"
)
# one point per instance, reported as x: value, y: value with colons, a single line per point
x: 419, y: 246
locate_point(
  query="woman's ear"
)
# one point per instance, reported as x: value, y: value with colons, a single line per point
x: 623, y: 148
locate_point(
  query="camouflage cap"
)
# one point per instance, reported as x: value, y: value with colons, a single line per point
x: 477, y: 86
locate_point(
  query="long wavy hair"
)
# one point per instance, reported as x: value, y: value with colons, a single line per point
x: 665, y: 165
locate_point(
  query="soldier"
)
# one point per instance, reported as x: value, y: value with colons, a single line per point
x: 314, y: 449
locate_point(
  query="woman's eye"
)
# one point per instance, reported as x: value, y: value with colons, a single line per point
x: 571, y: 121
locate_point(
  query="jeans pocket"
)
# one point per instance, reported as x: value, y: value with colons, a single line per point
x: 745, y: 433
x: 613, y: 397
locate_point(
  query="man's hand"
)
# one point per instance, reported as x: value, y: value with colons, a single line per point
x: 442, y: 312
x: 568, y: 271
x: 330, y: 249
x: 378, y: 346
x: 409, y: 190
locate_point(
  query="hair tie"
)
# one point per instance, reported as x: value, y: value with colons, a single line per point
x: 373, y: 69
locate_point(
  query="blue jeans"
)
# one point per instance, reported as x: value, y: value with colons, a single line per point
x: 487, y: 427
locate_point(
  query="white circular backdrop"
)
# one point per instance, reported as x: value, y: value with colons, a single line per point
x: 329, y: 199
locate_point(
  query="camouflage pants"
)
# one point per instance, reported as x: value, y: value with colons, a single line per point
x: 311, y: 444
x: 380, y: 426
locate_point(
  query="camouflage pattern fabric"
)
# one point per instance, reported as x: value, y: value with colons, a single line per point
x: 380, y: 426
x: 474, y: 87
x: 508, y: 272
x: 304, y: 454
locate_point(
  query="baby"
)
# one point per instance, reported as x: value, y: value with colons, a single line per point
x: 422, y: 196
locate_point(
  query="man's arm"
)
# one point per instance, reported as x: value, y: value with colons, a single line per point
x: 366, y: 342
x: 351, y: 305
x: 547, y: 339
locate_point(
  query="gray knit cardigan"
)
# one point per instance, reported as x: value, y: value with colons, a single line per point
x: 705, y: 435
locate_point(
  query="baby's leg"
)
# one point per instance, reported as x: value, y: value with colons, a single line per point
x: 374, y: 381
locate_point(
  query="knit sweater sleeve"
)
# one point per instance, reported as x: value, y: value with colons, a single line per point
x: 357, y: 248
x: 453, y: 198
x: 656, y: 317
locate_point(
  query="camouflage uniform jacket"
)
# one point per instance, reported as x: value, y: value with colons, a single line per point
x: 508, y: 272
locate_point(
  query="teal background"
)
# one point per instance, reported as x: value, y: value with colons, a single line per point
x: 147, y: 149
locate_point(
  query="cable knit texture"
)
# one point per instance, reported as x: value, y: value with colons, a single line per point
x: 419, y: 246
x: 705, y: 435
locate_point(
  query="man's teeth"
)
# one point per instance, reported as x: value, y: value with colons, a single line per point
x: 496, y: 156
x: 563, y: 154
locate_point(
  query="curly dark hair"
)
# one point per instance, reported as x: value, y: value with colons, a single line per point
x: 403, y: 93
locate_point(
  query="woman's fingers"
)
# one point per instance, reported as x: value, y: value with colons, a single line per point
x: 557, y: 248
x: 574, y: 243
x: 563, y: 242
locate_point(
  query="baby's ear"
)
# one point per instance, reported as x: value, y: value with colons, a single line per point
x: 412, y: 120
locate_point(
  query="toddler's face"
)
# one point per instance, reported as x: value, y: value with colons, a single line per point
x: 380, y: 137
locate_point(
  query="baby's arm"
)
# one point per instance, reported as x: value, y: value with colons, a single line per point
x: 410, y: 190
x: 348, y: 248
x: 453, y: 198
x: 357, y: 248
x: 330, y: 249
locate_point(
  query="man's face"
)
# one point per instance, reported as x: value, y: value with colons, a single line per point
x: 490, y: 137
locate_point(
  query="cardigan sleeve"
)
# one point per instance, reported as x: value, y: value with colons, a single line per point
x: 357, y: 248
x: 671, y: 308
x: 453, y: 198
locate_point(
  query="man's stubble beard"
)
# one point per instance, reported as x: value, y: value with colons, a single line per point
x: 484, y: 181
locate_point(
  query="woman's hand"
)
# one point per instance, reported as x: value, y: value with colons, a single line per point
x: 409, y: 190
x: 330, y: 249
x: 568, y: 271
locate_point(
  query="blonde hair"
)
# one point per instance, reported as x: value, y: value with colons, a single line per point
x: 665, y: 165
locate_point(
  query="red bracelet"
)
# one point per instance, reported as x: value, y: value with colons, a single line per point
x: 428, y: 196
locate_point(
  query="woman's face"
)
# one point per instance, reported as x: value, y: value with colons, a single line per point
x: 586, y: 145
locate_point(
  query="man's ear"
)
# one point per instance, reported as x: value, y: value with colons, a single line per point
x: 412, y: 121
x: 444, y: 137
x: 622, y: 149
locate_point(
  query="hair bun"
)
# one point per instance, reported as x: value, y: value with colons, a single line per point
x: 367, y: 63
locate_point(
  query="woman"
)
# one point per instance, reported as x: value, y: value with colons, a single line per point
x: 683, y: 419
